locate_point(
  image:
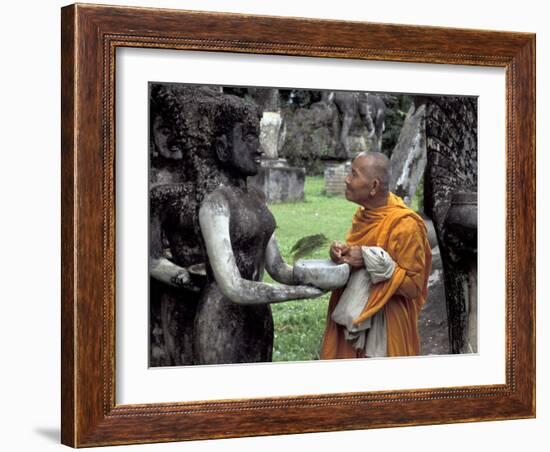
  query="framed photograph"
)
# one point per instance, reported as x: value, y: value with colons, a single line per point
x: 224, y: 273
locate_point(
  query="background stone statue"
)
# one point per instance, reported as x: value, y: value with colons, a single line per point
x: 409, y: 156
x: 369, y: 108
x: 174, y: 245
x: 450, y: 199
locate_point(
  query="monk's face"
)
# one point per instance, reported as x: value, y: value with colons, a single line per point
x: 359, y: 182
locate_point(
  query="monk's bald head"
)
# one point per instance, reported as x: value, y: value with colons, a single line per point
x: 375, y: 165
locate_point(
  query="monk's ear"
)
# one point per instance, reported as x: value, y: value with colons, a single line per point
x: 375, y: 187
x: 222, y: 148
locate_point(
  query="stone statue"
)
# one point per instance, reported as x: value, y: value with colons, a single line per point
x: 174, y: 242
x: 450, y: 199
x: 234, y: 322
x: 369, y: 108
x: 409, y: 156
x: 205, y: 144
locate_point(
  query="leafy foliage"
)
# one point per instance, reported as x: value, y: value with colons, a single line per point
x: 397, y: 106
x: 308, y: 245
x: 299, y: 325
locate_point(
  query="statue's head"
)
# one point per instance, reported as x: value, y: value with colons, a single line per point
x: 166, y: 122
x: 238, y: 148
x: 234, y: 125
x: 204, y: 128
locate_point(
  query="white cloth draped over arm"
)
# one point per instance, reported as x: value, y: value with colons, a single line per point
x: 379, y: 266
x: 378, y: 263
x: 214, y: 222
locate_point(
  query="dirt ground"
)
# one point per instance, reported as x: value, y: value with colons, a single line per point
x: 434, y: 339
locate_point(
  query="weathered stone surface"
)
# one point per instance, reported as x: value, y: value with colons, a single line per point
x: 172, y: 315
x: 267, y: 99
x: 310, y: 135
x: 323, y: 273
x: 192, y: 129
x: 229, y: 333
x: 451, y: 141
x: 173, y: 228
x: 279, y: 182
x: 365, y: 108
x: 270, y: 134
x: 334, y: 174
x: 408, y: 159
x: 460, y: 235
x: 173, y: 223
x: 173, y: 235
x: 225, y: 331
x: 337, y: 127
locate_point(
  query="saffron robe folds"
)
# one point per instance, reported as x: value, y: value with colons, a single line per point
x: 402, y: 233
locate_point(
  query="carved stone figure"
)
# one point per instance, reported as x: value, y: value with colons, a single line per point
x: 276, y: 179
x: 450, y: 199
x: 205, y: 144
x: 369, y: 108
x: 174, y: 242
x: 233, y: 322
x: 408, y: 158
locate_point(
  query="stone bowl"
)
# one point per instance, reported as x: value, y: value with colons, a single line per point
x: 198, y: 273
x: 321, y: 273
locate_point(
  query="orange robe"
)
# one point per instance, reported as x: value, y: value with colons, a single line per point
x: 402, y: 233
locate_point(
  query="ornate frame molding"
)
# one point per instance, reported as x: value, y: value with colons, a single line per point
x: 90, y: 36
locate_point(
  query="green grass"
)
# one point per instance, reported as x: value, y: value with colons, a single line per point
x: 299, y: 325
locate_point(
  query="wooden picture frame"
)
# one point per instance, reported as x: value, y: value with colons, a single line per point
x: 90, y: 36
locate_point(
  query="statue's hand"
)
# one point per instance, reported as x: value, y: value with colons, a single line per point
x: 309, y: 292
x: 182, y: 279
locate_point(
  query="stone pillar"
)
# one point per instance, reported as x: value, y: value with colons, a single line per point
x: 276, y: 179
x: 335, y: 173
x: 279, y: 182
x: 270, y: 134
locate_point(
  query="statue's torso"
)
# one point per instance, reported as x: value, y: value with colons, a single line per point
x: 176, y: 207
x: 251, y: 225
x: 228, y: 332
x: 174, y: 234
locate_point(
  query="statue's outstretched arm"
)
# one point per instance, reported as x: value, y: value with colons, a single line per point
x: 276, y: 266
x: 161, y: 268
x: 167, y: 272
x: 214, y: 222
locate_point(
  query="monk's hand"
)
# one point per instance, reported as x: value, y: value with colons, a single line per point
x: 354, y: 257
x: 337, y: 251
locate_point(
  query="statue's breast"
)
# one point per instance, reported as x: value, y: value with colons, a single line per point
x: 250, y: 221
x: 175, y: 206
x: 251, y: 226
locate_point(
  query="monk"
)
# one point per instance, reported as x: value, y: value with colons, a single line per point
x: 384, y: 221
